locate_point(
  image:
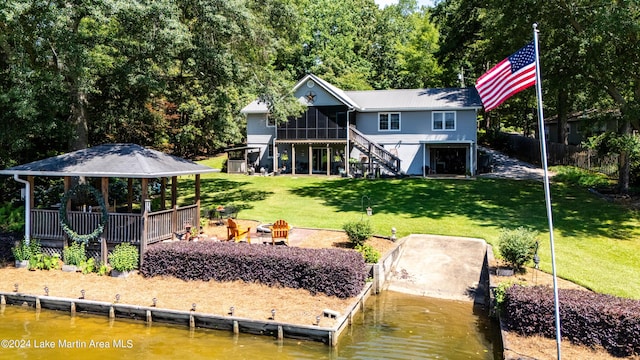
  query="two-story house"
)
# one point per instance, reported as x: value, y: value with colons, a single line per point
x: 408, y: 131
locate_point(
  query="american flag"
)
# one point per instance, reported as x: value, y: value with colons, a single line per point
x: 513, y: 74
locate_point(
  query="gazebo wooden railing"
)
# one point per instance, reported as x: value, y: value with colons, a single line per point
x: 160, y: 225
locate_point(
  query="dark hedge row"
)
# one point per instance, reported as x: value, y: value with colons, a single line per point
x: 586, y: 318
x: 333, y: 272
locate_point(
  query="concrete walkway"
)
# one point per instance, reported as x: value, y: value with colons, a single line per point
x: 440, y: 266
x: 505, y: 167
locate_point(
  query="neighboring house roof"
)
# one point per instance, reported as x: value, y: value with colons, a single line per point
x: 111, y: 160
x: 390, y: 100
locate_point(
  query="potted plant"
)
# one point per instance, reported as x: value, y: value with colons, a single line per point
x: 73, y: 256
x: 123, y: 259
x: 21, y: 252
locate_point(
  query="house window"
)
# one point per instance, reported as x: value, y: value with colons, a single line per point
x: 444, y: 120
x: 389, y: 121
x: 271, y: 122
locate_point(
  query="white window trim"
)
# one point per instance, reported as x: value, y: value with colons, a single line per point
x: 389, y: 119
x: 433, y: 120
x: 266, y: 120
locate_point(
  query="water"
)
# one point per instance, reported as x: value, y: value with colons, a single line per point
x: 392, y: 326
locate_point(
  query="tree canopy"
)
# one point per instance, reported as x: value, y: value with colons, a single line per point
x: 174, y: 74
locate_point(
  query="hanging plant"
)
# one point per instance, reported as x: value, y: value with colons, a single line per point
x: 64, y: 221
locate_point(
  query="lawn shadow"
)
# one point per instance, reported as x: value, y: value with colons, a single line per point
x: 215, y: 192
x: 498, y: 203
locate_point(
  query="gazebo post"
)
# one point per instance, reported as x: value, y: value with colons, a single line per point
x: 197, y: 221
x: 174, y: 203
x: 163, y: 194
x: 144, y: 193
x: 31, y: 180
x: 145, y: 216
x: 130, y: 195
x: 145, y: 231
x: 104, y: 248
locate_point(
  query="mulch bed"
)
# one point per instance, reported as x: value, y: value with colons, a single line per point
x: 250, y: 300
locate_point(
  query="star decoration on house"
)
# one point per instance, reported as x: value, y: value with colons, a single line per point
x: 311, y: 97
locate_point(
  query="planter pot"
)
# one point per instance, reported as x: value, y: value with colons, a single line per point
x: 22, y: 264
x: 120, y: 274
x: 69, y: 268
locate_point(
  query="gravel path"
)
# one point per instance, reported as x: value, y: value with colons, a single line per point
x: 505, y: 167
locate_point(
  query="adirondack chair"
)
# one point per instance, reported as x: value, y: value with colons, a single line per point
x: 280, y: 230
x: 236, y: 232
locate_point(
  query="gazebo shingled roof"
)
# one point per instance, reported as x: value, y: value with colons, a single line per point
x: 111, y: 160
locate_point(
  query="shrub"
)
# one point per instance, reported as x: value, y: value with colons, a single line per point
x: 518, y: 246
x: 11, y: 218
x: 124, y: 257
x: 74, y: 254
x: 102, y: 270
x: 334, y: 272
x: 588, y: 318
x: 22, y: 251
x: 358, y: 232
x: 88, y: 266
x: 572, y: 175
x: 369, y: 253
x: 40, y: 261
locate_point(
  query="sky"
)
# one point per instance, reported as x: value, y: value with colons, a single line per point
x: 383, y: 3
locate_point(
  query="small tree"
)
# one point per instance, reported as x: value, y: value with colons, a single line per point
x: 518, y: 246
x: 358, y: 232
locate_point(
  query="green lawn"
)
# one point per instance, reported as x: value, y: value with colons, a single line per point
x: 596, y: 241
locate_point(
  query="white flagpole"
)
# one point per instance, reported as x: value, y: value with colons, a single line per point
x: 547, y: 191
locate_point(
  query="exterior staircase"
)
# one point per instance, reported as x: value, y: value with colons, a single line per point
x: 375, y: 153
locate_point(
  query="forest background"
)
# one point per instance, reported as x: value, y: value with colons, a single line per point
x: 174, y: 74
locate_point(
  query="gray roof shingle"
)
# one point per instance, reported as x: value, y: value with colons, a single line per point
x: 416, y: 99
x: 111, y: 160
x: 392, y: 100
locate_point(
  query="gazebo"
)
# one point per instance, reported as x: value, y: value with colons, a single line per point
x: 127, y: 161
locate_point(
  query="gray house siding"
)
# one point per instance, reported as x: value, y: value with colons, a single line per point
x: 261, y: 136
x: 416, y: 130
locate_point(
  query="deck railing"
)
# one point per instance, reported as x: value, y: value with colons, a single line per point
x: 45, y: 225
x: 124, y: 228
x: 161, y: 225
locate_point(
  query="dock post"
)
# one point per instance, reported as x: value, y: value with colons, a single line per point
x: 236, y: 327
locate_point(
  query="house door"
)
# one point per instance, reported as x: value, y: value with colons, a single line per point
x: 449, y: 160
x: 319, y: 160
